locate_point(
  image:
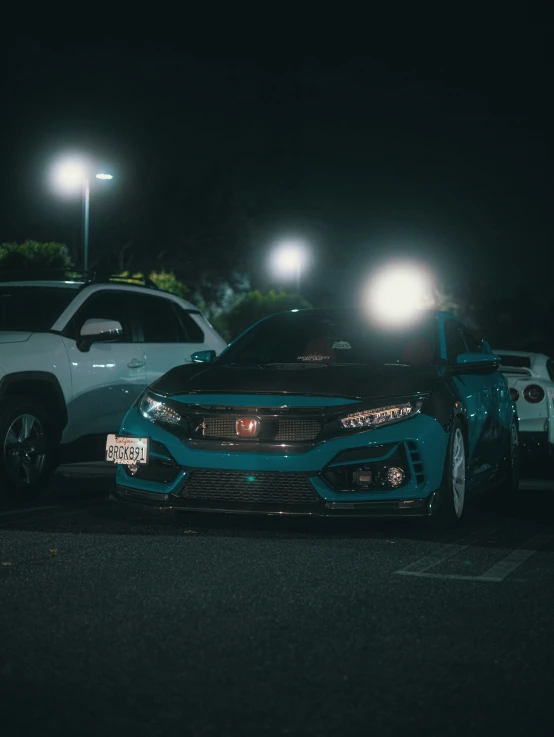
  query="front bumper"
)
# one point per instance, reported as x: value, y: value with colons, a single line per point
x: 422, y: 439
x: 391, y: 508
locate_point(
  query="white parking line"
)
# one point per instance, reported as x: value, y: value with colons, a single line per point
x: 455, y: 576
x: 419, y: 566
x: 496, y: 573
x: 504, y: 567
x: 67, y: 513
x: 22, y: 511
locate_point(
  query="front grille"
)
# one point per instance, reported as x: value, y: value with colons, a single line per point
x: 219, y: 427
x: 249, y: 487
x: 276, y: 429
x: 271, y: 429
x: 298, y: 430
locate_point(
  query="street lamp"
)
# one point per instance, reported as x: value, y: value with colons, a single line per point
x: 71, y: 175
x: 397, y: 292
x: 289, y: 259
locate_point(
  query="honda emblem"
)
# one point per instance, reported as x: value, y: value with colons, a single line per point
x: 247, y: 427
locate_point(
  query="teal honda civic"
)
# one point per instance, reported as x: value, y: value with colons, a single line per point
x: 326, y: 412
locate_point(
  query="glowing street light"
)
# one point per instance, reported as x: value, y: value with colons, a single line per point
x: 397, y: 292
x: 71, y: 175
x: 289, y: 259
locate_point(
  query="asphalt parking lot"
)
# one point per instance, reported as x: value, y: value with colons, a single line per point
x: 116, y: 620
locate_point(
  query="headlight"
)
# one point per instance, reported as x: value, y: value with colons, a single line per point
x: 381, y: 415
x: 156, y: 411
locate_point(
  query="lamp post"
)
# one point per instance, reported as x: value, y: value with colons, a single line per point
x: 289, y: 259
x: 73, y: 174
x: 398, y: 291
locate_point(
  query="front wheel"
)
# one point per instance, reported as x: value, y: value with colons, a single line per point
x: 451, y: 502
x: 27, y: 448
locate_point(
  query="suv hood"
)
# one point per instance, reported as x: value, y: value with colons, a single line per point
x: 360, y: 382
x: 9, y: 336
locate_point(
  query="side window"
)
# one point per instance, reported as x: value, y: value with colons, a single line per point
x: 193, y: 331
x: 473, y: 345
x: 455, y: 343
x: 106, y: 305
x: 550, y: 368
x: 157, y: 320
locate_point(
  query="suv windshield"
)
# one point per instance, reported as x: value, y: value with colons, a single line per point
x: 339, y: 338
x: 32, y: 309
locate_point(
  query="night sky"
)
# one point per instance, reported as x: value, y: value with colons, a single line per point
x: 437, y: 152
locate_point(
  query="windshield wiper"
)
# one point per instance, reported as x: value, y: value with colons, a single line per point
x: 302, y: 366
x: 244, y: 364
x: 370, y: 364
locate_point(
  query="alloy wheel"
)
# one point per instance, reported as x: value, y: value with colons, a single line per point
x: 25, y: 450
x: 458, y: 472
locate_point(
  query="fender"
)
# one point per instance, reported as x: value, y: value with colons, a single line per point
x: 444, y: 404
x: 31, y: 378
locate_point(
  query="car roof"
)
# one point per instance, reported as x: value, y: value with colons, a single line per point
x: 89, y: 287
x: 44, y: 283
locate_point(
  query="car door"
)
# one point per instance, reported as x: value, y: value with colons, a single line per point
x: 109, y: 376
x: 170, y: 335
x: 476, y: 392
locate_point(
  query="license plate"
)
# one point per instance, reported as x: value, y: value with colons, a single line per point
x: 126, y: 451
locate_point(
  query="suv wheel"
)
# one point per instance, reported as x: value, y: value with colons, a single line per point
x: 27, y: 447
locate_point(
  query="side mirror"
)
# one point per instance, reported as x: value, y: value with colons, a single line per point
x: 203, y: 356
x: 476, y: 363
x: 97, y: 330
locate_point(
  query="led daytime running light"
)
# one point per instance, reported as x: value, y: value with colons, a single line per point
x: 380, y: 415
x: 156, y: 411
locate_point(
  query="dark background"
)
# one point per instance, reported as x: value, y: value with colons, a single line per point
x: 438, y: 151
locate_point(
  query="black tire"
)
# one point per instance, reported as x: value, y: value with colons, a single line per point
x: 29, y: 444
x: 448, y: 508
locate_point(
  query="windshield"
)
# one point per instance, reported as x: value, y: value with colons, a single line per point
x: 32, y: 309
x: 341, y: 338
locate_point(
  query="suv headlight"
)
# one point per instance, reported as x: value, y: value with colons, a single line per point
x: 381, y: 415
x: 152, y: 407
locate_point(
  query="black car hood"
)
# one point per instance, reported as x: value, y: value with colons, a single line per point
x: 361, y: 382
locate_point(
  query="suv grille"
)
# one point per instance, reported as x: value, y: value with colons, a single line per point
x: 253, y: 487
x: 272, y: 429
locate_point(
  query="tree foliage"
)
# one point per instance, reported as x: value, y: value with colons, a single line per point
x: 33, y: 255
x: 167, y: 281
x: 253, y: 307
x: 215, y: 294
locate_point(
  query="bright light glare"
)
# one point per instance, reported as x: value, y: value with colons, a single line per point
x: 289, y: 258
x: 69, y: 174
x: 396, y: 293
x: 104, y: 176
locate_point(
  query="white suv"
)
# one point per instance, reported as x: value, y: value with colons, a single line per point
x: 74, y: 356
